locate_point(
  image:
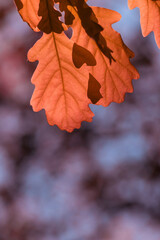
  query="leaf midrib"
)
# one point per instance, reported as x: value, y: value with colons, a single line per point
x: 58, y: 58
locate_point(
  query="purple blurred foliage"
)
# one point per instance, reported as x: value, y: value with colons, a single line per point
x: 98, y: 183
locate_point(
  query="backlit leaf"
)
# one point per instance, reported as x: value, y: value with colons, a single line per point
x: 60, y: 88
x: 116, y: 76
x: 150, y: 16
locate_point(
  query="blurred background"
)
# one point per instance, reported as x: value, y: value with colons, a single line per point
x: 101, y: 182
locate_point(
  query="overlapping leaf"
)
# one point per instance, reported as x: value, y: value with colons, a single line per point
x: 115, y: 77
x: 150, y: 16
x: 80, y: 5
x: 50, y: 17
x: 60, y: 88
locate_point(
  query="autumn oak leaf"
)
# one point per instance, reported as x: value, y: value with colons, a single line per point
x: 114, y: 77
x: 60, y: 88
x: 150, y: 16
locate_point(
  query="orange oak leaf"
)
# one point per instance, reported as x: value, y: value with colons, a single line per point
x: 150, y: 16
x: 60, y: 88
x: 115, y: 77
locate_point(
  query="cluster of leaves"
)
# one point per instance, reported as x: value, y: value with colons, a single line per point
x: 82, y: 59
